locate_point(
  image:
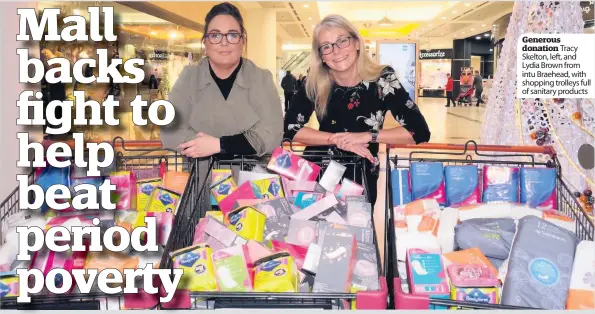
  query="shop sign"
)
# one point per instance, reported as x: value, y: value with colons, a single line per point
x: 159, y: 55
x: 435, y: 54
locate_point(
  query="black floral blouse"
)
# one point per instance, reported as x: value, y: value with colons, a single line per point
x: 360, y: 108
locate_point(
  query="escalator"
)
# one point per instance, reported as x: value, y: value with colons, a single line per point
x: 295, y: 61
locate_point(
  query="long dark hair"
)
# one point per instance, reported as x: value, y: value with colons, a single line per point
x: 226, y: 8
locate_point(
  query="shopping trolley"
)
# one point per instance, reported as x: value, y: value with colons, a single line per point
x: 453, y: 154
x: 188, y: 217
x: 133, y: 156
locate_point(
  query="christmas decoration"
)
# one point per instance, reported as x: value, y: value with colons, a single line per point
x: 564, y: 124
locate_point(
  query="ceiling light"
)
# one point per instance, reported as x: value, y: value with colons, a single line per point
x: 494, y: 25
x: 153, y: 33
x: 487, y: 34
x: 444, y: 17
x: 462, y: 33
x: 385, y: 21
x: 173, y: 35
x: 76, y: 12
x: 472, y: 29
x: 306, y: 5
x: 483, y: 25
x: 310, y: 19
x: 454, y: 12
x: 467, y: 4
x: 491, y: 49
x: 478, y: 37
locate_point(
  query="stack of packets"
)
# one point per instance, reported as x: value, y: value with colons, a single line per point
x: 46, y: 260
x: 465, y: 185
x: 140, y: 193
x: 280, y: 230
x: 495, y: 253
x: 157, y: 197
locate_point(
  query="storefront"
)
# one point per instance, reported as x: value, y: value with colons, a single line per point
x: 165, y: 47
x: 435, y: 64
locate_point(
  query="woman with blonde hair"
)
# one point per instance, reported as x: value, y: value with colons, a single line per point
x: 350, y: 95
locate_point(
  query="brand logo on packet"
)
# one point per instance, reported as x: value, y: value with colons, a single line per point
x: 4, y: 290
x: 274, y: 189
x: 59, y: 280
x: 166, y: 199
x: 200, y: 269
x: 477, y: 296
x: 544, y: 271
x: 189, y: 259
x: 148, y: 189
x: 235, y: 218
x: 270, y: 265
x: 223, y: 188
x: 284, y: 161
x: 280, y: 272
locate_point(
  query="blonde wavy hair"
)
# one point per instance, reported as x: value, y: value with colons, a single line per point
x: 319, y: 82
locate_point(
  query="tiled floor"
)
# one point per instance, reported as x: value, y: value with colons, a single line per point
x: 448, y: 125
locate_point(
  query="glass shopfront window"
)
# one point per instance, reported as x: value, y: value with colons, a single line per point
x: 165, y: 47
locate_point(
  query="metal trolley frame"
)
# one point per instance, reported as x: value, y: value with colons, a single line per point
x: 194, y: 208
x: 452, y: 154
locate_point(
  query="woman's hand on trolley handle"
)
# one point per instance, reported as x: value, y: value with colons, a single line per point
x: 203, y: 145
x: 358, y: 149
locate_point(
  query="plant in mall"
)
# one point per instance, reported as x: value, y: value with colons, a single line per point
x: 165, y: 85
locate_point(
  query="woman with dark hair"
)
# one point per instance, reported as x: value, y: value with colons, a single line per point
x: 225, y: 103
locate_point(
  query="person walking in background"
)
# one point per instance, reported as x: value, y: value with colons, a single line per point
x: 288, y: 83
x: 478, y: 85
x: 449, y: 87
x: 299, y: 82
x: 153, y: 83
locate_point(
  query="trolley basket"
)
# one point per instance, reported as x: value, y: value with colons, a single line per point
x: 132, y: 156
x: 453, y: 154
x: 189, y: 214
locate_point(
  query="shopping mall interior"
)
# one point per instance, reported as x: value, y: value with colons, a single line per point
x: 434, y: 38
x: 422, y: 40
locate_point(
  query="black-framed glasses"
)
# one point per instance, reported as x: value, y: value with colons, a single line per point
x: 232, y: 38
x: 342, y: 42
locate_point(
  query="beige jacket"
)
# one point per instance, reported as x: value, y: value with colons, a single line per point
x: 252, y: 108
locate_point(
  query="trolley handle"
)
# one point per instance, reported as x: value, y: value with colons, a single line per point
x: 118, y: 141
x: 145, y: 145
x: 548, y: 150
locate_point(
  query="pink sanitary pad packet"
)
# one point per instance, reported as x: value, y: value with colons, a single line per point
x: 256, y: 251
x: 165, y: 223
x: 125, y: 194
x: 472, y: 276
x: 349, y: 188
x: 46, y: 260
x: 292, y: 166
x: 303, y: 186
x: 243, y: 192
